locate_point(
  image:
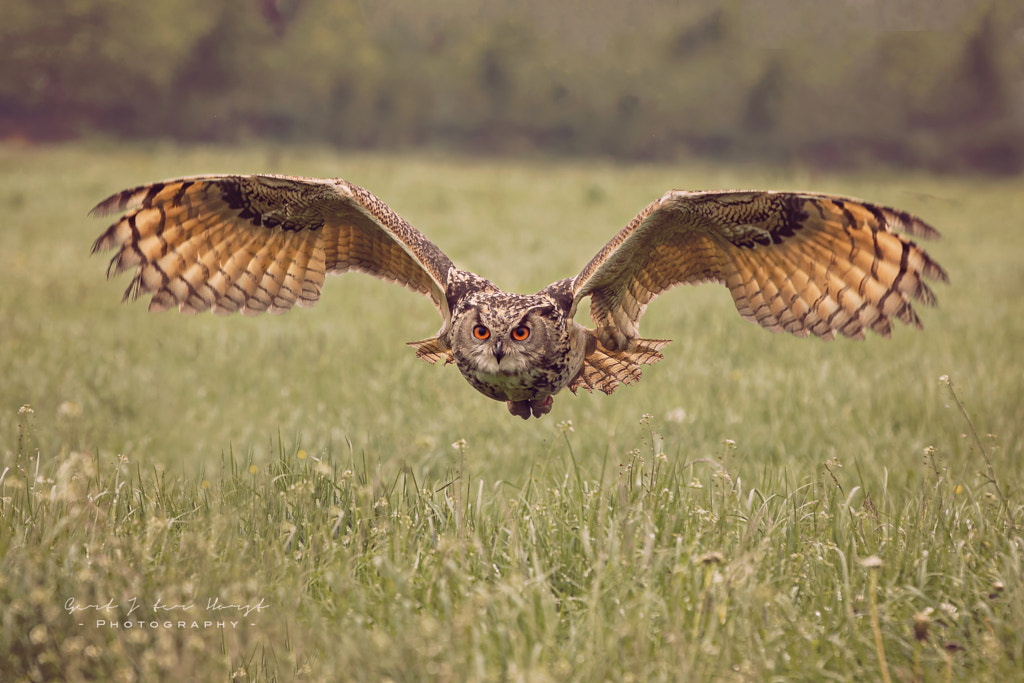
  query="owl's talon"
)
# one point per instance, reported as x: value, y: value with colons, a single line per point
x: 535, y: 407
x: 542, y: 407
x: 519, y: 408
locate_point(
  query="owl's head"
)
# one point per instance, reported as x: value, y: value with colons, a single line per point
x: 507, y: 334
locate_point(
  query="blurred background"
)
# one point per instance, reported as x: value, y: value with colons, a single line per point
x: 925, y: 84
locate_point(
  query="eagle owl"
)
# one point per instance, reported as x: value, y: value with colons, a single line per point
x: 803, y: 263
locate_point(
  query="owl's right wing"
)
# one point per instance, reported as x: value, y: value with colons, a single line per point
x: 797, y: 262
x: 254, y: 243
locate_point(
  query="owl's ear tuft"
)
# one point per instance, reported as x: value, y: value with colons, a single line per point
x: 561, y: 294
x: 544, y: 310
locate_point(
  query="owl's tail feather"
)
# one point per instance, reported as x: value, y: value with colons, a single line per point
x: 605, y: 370
x: 432, y: 350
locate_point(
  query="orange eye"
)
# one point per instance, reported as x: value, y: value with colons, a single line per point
x: 481, y: 332
x: 521, y: 333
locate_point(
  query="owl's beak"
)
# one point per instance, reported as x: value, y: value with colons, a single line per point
x: 499, y: 351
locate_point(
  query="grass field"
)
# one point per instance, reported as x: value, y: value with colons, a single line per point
x: 297, y: 497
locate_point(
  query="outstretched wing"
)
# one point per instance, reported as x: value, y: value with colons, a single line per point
x: 261, y: 242
x: 803, y: 263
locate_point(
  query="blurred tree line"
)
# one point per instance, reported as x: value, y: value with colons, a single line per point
x: 937, y: 84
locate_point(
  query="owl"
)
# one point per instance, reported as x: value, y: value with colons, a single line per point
x: 796, y: 262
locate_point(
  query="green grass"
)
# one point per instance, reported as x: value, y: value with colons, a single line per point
x: 711, y: 522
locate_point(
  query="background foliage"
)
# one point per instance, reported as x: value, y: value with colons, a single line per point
x: 932, y: 84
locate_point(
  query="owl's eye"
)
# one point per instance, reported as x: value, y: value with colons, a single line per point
x: 481, y: 332
x: 521, y: 333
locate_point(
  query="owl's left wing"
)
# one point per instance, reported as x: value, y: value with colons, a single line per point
x: 802, y: 263
x: 254, y: 243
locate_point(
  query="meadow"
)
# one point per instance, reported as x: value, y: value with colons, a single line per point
x: 297, y: 497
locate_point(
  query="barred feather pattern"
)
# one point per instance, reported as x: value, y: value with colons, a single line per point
x: 800, y: 263
x: 260, y: 243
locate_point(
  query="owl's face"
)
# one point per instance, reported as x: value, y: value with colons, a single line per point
x: 502, y: 341
x: 508, y: 345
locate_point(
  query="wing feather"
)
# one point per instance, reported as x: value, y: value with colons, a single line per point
x: 796, y: 262
x: 261, y: 242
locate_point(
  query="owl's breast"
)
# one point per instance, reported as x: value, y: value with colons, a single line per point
x: 533, y: 383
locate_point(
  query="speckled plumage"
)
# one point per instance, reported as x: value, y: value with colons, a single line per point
x: 799, y: 262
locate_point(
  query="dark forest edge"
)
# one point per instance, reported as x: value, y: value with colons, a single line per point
x: 847, y: 88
